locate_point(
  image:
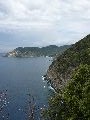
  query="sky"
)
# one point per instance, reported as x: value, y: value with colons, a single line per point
x: 42, y: 22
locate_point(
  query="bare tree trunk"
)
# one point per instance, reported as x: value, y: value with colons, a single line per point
x: 4, y: 115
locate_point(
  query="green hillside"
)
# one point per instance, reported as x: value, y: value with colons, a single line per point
x: 73, y: 102
x: 61, y: 69
x: 69, y: 74
x: 51, y: 51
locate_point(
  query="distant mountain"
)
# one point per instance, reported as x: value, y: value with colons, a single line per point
x: 62, y: 67
x: 51, y: 50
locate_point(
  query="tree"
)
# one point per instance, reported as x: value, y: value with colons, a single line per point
x: 73, y: 103
x: 4, y: 115
x: 33, y: 111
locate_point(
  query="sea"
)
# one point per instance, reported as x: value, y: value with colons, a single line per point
x: 23, y: 92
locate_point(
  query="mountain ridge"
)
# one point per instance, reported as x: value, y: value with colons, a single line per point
x: 51, y: 50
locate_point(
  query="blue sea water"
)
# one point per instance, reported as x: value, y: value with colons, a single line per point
x: 20, y: 77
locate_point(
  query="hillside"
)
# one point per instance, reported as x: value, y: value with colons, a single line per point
x: 51, y: 50
x: 73, y: 102
x: 61, y: 69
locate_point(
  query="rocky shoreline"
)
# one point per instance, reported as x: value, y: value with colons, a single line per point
x: 51, y: 87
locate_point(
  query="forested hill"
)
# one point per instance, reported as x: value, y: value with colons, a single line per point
x: 61, y: 69
x: 51, y: 50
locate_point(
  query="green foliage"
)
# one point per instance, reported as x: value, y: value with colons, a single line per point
x: 63, y: 66
x: 73, y: 103
x: 77, y: 54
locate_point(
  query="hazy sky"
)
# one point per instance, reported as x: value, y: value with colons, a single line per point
x: 43, y: 22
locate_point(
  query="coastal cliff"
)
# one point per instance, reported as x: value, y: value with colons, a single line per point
x: 62, y: 68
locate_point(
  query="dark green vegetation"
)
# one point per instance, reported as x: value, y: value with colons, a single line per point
x: 73, y: 103
x: 51, y: 50
x: 69, y: 74
x: 61, y: 69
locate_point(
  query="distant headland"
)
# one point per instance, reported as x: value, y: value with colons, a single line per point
x: 50, y: 51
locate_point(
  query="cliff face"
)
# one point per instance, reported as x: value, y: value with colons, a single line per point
x: 62, y: 67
